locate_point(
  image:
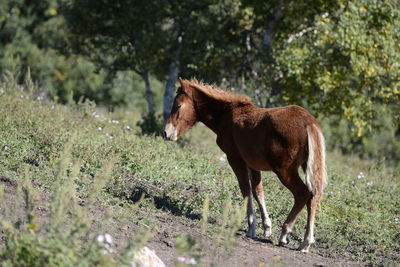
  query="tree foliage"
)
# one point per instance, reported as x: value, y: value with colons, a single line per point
x: 338, y: 58
x: 34, y: 34
x: 348, y: 62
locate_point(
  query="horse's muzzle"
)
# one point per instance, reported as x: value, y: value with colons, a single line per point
x: 169, y: 138
x: 170, y: 132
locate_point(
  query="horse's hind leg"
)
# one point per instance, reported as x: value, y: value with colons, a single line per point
x: 258, y: 192
x: 309, y: 235
x: 239, y: 167
x: 301, y: 195
x: 312, y: 205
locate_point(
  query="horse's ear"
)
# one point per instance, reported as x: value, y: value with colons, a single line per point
x: 185, y: 87
x: 183, y: 83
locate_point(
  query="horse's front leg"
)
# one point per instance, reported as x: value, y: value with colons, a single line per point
x: 258, y: 193
x: 239, y: 167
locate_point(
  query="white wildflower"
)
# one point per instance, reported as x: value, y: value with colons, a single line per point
x: 100, y: 238
x: 108, y: 238
x: 187, y: 260
x: 99, y: 128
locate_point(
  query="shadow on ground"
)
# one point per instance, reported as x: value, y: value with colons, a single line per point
x: 165, y: 203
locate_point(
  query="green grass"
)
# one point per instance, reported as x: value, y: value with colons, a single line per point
x: 359, y: 217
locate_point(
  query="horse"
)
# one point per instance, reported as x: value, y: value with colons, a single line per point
x: 257, y: 139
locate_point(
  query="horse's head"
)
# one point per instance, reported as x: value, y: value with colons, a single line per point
x: 183, y: 113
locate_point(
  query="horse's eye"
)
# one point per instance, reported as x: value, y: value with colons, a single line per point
x: 178, y: 106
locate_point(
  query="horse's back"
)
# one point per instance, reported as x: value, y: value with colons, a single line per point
x: 285, y: 121
x: 292, y: 115
x: 268, y: 137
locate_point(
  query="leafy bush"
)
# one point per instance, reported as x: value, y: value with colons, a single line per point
x: 151, y: 125
x: 381, y: 144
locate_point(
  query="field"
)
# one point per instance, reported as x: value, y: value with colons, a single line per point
x: 71, y: 173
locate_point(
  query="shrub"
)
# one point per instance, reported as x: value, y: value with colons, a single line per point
x: 151, y: 125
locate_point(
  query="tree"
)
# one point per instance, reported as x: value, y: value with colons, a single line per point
x: 120, y: 35
x: 348, y: 62
x: 34, y: 34
x: 236, y: 41
x: 184, y: 18
x: 335, y: 57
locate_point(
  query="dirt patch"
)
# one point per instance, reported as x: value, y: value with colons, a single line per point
x: 242, y: 252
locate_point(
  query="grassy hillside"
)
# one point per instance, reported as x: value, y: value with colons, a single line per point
x: 81, y: 154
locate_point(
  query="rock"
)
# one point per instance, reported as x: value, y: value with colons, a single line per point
x: 147, y: 258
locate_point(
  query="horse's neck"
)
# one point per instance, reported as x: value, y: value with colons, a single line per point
x: 211, y: 112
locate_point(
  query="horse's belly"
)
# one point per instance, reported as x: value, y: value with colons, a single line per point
x: 257, y: 162
x: 253, y: 153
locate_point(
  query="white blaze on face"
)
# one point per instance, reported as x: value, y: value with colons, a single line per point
x: 171, y: 132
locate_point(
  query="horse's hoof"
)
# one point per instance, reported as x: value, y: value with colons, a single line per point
x: 251, y: 234
x: 304, y: 247
x: 268, y: 232
x: 284, y: 241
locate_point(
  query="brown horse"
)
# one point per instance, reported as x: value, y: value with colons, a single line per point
x: 258, y: 139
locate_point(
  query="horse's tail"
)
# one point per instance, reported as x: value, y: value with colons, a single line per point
x: 316, y: 176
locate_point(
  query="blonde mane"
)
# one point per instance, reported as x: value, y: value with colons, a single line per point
x: 217, y: 93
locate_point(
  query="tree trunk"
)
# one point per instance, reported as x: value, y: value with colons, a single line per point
x: 149, y: 93
x: 270, y: 29
x: 248, y: 61
x: 267, y: 48
x: 172, y: 77
x: 170, y: 88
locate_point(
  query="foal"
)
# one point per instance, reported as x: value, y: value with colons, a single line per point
x: 258, y: 139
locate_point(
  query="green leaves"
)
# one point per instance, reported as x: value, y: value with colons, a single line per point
x: 349, y: 60
x: 336, y: 58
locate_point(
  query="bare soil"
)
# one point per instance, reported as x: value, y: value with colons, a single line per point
x: 242, y: 252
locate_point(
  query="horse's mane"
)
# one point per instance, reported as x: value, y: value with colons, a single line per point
x: 216, y: 93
